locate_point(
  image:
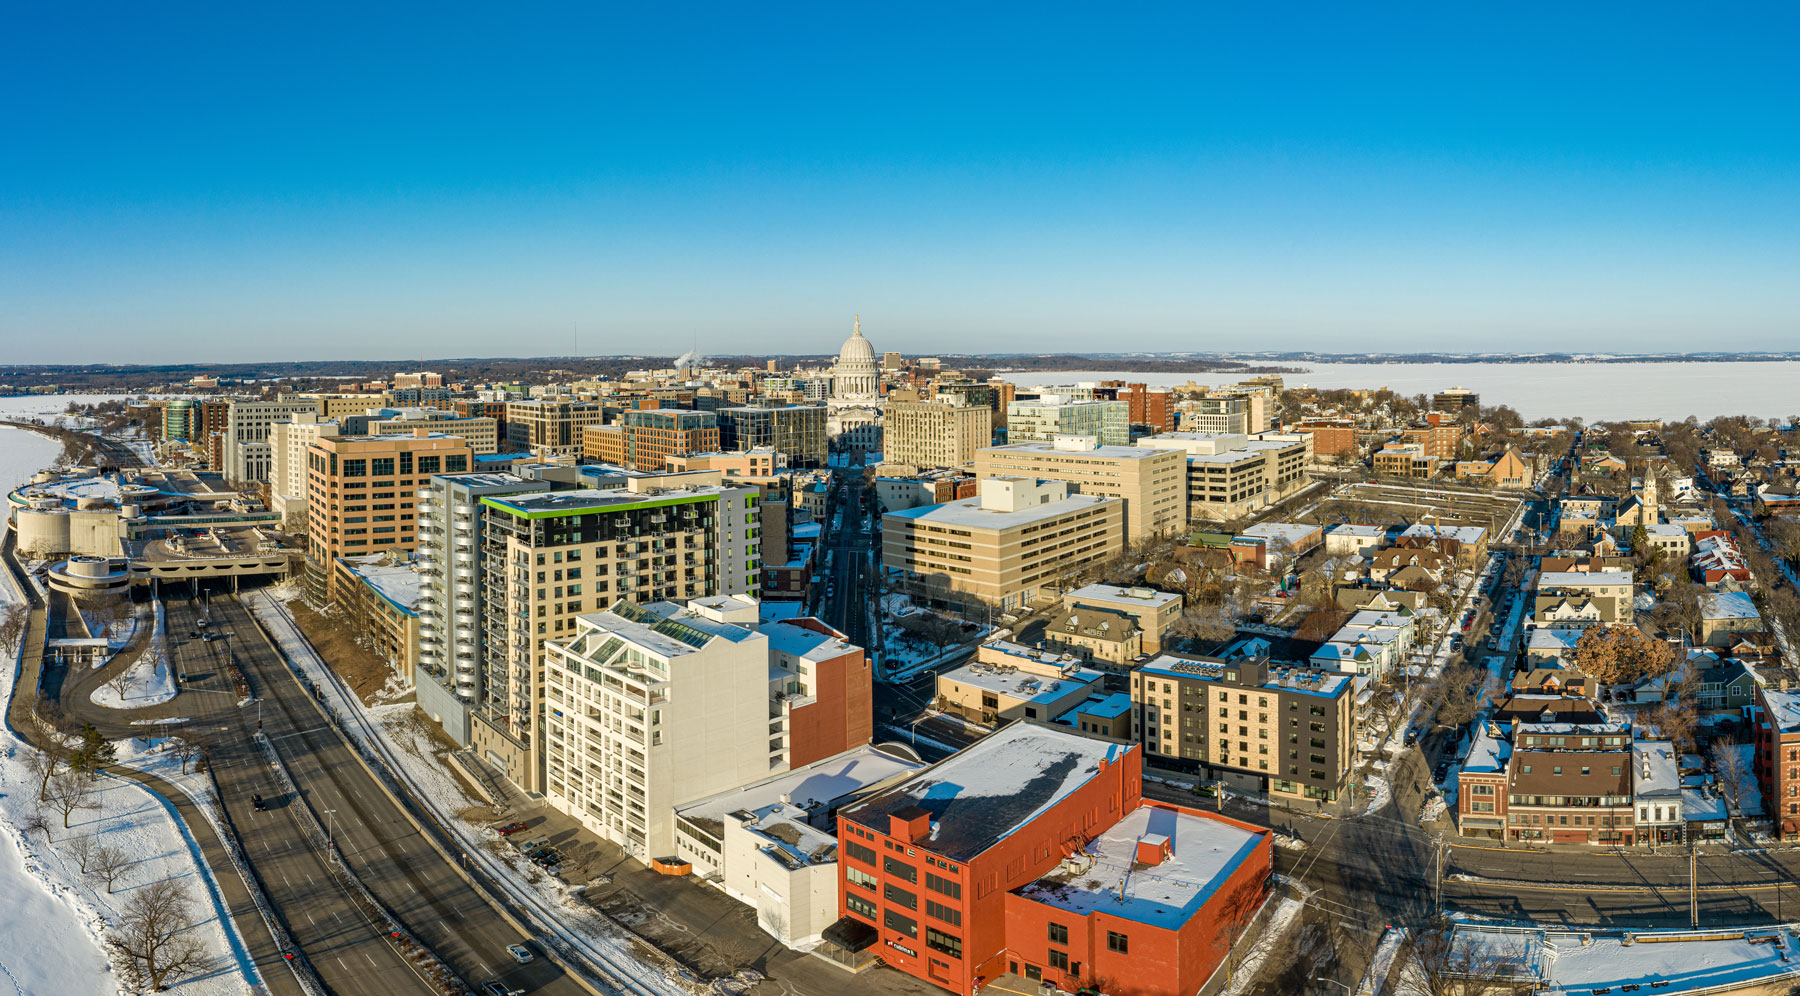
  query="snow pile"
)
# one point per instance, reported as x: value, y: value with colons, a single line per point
x: 149, y: 681
x: 1273, y: 933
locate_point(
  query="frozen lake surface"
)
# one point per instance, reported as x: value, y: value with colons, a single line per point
x: 1589, y: 391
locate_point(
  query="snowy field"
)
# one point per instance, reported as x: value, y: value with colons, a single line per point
x: 23, y: 454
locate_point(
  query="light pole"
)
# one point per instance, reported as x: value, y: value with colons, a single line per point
x: 331, y: 836
x: 1341, y: 985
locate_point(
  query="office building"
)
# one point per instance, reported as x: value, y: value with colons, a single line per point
x: 1053, y: 415
x: 1152, y: 483
x: 1150, y: 407
x: 1155, y: 612
x: 1253, y: 725
x: 288, y: 443
x: 248, y: 456
x: 361, y: 495
x: 931, y: 435
x: 551, y: 557
x: 1218, y: 415
x: 1000, y: 548
x: 1455, y: 399
x: 549, y: 427
x: 648, y: 439
x: 798, y: 431
x: 482, y: 434
x: 1229, y: 476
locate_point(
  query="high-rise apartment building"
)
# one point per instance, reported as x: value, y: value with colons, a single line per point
x: 335, y: 406
x: 1455, y: 399
x: 1152, y: 483
x: 549, y: 427
x: 650, y: 707
x: 1149, y: 406
x: 452, y: 593
x: 796, y: 430
x: 935, y: 434
x: 288, y: 442
x: 1216, y: 415
x: 548, y: 558
x: 1051, y: 415
x: 1000, y: 548
x: 646, y: 439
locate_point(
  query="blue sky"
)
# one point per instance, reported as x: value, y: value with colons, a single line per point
x: 248, y: 182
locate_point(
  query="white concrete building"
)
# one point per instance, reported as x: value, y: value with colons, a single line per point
x: 248, y: 424
x: 287, y: 462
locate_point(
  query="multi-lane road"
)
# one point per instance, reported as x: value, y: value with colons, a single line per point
x: 351, y: 952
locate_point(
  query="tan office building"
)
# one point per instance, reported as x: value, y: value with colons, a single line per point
x: 1000, y: 548
x: 549, y: 427
x: 1229, y: 476
x: 481, y: 433
x: 1009, y: 681
x: 934, y: 434
x: 1156, y: 612
x: 361, y: 491
x: 1152, y: 482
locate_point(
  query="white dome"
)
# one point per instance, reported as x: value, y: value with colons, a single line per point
x: 856, y: 348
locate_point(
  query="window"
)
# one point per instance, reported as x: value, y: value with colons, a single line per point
x: 900, y: 897
x: 937, y: 940
x: 859, y: 877
x: 860, y: 906
x: 1059, y: 934
x: 866, y: 855
x: 938, y: 884
x: 945, y: 913
x: 895, y: 920
x: 1118, y: 942
x: 900, y: 870
x: 1059, y: 959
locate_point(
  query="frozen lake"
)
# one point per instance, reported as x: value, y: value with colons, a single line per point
x: 1589, y: 391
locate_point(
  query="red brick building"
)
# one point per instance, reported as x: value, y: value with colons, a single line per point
x: 1331, y: 437
x: 1441, y: 441
x: 1557, y: 783
x: 1008, y: 857
x: 1149, y: 406
x: 1778, y: 758
x: 832, y: 713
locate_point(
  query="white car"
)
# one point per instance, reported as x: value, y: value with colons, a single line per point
x: 520, y: 953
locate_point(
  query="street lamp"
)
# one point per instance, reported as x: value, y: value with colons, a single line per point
x: 1344, y: 986
x: 331, y: 837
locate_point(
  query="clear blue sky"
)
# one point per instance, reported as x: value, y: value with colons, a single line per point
x: 262, y: 181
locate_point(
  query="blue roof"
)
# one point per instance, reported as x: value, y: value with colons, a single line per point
x: 1100, y: 706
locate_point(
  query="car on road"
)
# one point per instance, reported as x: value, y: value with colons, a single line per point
x: 498, y: 988
x: 520, y: 953
x: 510, y: 828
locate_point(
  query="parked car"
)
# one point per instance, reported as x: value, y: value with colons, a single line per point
x: 520, y: 953
x: 510, y: 828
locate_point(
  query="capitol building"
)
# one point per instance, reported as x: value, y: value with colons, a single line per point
x: 854, y: 420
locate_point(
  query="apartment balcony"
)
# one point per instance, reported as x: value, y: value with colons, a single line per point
x: 427, y: 629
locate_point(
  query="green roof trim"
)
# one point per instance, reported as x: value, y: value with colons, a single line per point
x: 574, y: 510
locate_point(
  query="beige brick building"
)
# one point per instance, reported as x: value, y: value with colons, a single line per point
x: 361, y: 491
x: 1001, y: 548
x: 931, y: 434
x: 1152, y: 482
x: 1229, y: 476
x: 549, y: 427
x: 1156, y: 612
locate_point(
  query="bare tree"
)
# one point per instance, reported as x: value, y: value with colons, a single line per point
x: 45, y: 762
x: 35, y: 822
x: 111, y: 864
x: 69, y: 792
x: 82, y: 850
x: 14, y: 617
x: 120, y: 683
x: 1461, y: 694
x: 1732, y: 768
x: 155, y: 936
x: 184, y: 750
x: 1438, y: 963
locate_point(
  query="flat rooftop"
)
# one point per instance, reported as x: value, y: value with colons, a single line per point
x: 399, y: 584
x: 1203, y: 854
x: 1021, y: 684
x: 1582, y: 963
x: 969, y: 512
x: 1582, y: 579
x: 556, y: 503
x: 981, y: 794
x: 1116, y: 593
x: 815, y: 788
x: 1103, y: 452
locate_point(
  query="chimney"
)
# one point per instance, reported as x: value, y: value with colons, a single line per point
x: 909, y: 824
x: 1152, y: 848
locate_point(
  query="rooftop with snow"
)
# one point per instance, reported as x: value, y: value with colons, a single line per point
x: 983, y: 793
x: 1193, y: 856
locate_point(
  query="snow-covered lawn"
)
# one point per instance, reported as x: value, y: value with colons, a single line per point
x: 396, y: 732
x: 1273, y: 933
x: 149, y: 681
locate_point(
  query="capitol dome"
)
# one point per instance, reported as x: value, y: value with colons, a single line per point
x: 855, y: 374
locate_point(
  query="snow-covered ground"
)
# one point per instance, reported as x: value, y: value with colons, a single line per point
x: 53, y: 918
x: 23, y: 454
x: 397, y: 734
x: 1273, y: 933
x: 149, y: 681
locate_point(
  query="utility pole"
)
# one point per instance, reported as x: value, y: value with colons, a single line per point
x: 1438, y: 888
x: 1694, y: 886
